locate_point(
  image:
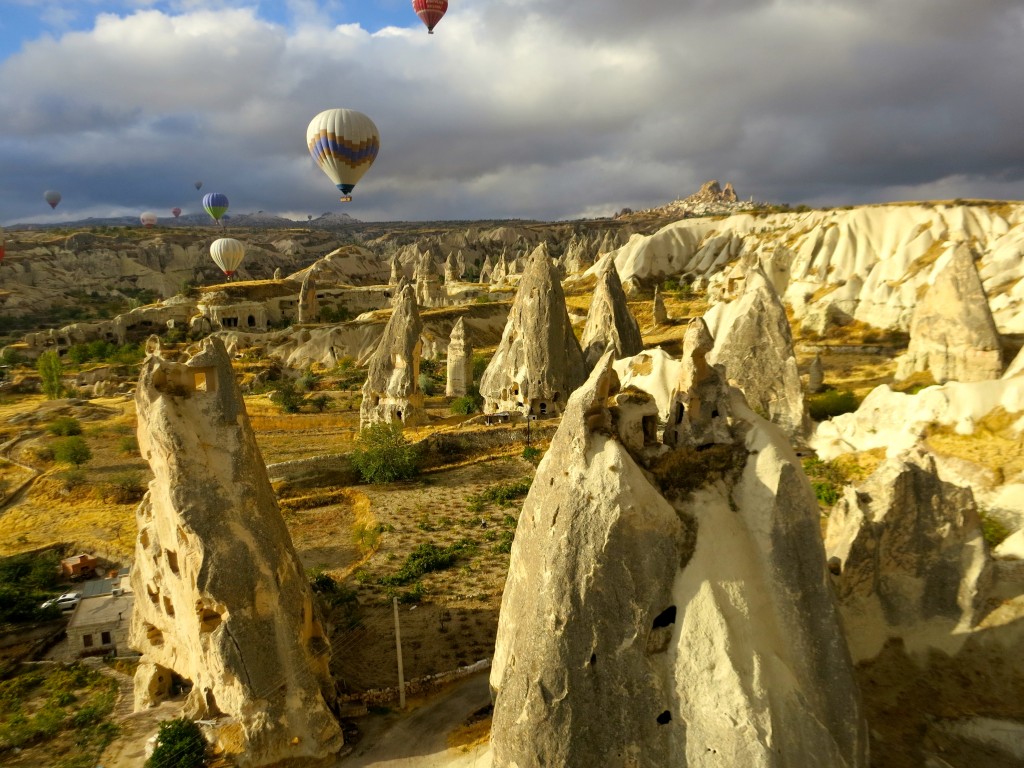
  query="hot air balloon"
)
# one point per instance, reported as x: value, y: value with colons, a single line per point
x: 344, y: 143
x: 52, y: 196
x: 199, y: 185
x: 216, y: 204
x: 176, y: 212
x: 430, y: 11
x: 228, y: 254
x: 1, y: 244
x: 148, y: 219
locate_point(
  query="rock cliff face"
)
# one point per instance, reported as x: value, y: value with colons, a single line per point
x: 610, y: 324
x: 670, y: 606
x: 221, y: 597
x: 754, y: 343
x: 911, y: 558
x: 538, y: 363
x: 392, y: 390
x: 952, y: 333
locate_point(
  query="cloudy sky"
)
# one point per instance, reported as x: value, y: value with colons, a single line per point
x: 545, y: 109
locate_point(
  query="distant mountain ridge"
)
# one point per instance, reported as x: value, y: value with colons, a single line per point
x: 258, y: 220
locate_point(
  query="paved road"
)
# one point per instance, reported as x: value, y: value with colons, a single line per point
x: 419, y: 739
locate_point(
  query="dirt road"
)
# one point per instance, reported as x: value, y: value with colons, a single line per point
x: 419, y: 739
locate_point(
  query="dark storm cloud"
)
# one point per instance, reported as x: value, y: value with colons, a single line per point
x: 534, y: 109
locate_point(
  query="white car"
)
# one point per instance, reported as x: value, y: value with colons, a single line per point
x: 65, y: 602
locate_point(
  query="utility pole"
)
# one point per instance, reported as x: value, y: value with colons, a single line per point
x: 398, y: 648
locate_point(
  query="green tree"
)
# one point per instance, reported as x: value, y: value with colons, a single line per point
x: 179, y: 744
x: 287, y: 396
x: 72, y: 450
x: 383, y: 455
x: 50, y: 371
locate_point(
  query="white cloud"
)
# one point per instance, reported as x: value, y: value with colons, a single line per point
x: 527, y: 108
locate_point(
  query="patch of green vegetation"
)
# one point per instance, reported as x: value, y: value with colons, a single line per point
x: 65, y: 426
x: 123, y: 488
x: 72, y: 450
x: 26, y: 581
x: 102, y: 351
x: 427, y: 558
x: 831, y: 402
x: 348, y: 374
x: 59, y: 711
x: 179, y: 744
x: 532, y: 455
x: 993, y: 529
x: 383, y: 455
x: 505, y: 494
x: 827, y: 479
x: 51, y: 371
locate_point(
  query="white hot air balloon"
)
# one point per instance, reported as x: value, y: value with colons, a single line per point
x: 148, y: 219
x: 344, y: 143
x: 228, y: 254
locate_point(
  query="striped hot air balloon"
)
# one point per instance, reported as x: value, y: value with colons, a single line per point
x: 215, y: 204
x: 344, y: 143
x: 227, y: 253
x: 148, y: 219
x: 430, y: 11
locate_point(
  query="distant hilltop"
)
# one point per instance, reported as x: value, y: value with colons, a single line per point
x: 258, y: 220
x: 711, y: 199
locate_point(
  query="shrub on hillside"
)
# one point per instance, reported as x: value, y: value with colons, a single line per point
x: 72, y: 450
x: 51, y: 372
x: 65, y: 426
x: 825, y: 405
x: 179, y: 744
x: 383, y: 455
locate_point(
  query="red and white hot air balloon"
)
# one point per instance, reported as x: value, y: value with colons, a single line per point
x: 148, y: 219
x: 227, y: 253
x: 430, y: 11
x: 176, y: 212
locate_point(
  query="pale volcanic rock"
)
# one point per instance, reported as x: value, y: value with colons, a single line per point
x: 658, y: 308
x: 952, y: 333
x: 610, y: 324
x: 452, y: 273
x: 392, y: 391
x: 309, y: 307
x: 222, y: 599
x: 911, y: 557
x: 396, y: 271
x: 538, y: 363
x: 647, y: 622
x: 460, y: 362
x: 654, y: 371
x: 430, y: 291
x: 816, y: 376
x: 754, y: 342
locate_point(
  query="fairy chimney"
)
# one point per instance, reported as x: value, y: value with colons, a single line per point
x: 451, y: 269
x: 430, y: 291
x: 670, y: 607
x: 460, y: 362
x: 659, y: 311
x: 610, y: 324
x: 396, y: 270
x: 392, y: 390
x: 222, y: 600
x: 538, y: 362
x: 309, y: 306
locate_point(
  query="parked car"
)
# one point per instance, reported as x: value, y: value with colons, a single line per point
x: 65, y: 602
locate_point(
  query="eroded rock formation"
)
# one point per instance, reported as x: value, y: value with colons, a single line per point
x: 754, y: 342
x: 309, y: 307
x: 460, y: 362
x: 952, y: 333
x: 911, y: 558
x: 658, y: 309
x: 610, y: 324
x: 538, y: 363
x: 670, y: 606
x: 221, y: 597
x: 392, y: 391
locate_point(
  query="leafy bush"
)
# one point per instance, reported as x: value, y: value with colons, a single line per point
x: 179, y: 744
x: 128, y: 445
x: 72, y: 450
x: 334, y: 594
x: 992, y: 529
x: 383, y: 455
x: 426, y: 558
x: 465, y: 405
x: 827, y: 480
x: 320, y: 402
x: 71, y: 478
x: 505, y: 494
x: 125, y: 488
x: 51, y: 371
x: 825, y: 405
x: 64, y: 426
x: 532, y: 454
x: 287, y: 396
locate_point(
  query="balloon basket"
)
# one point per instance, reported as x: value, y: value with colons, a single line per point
x: 346, y: 199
